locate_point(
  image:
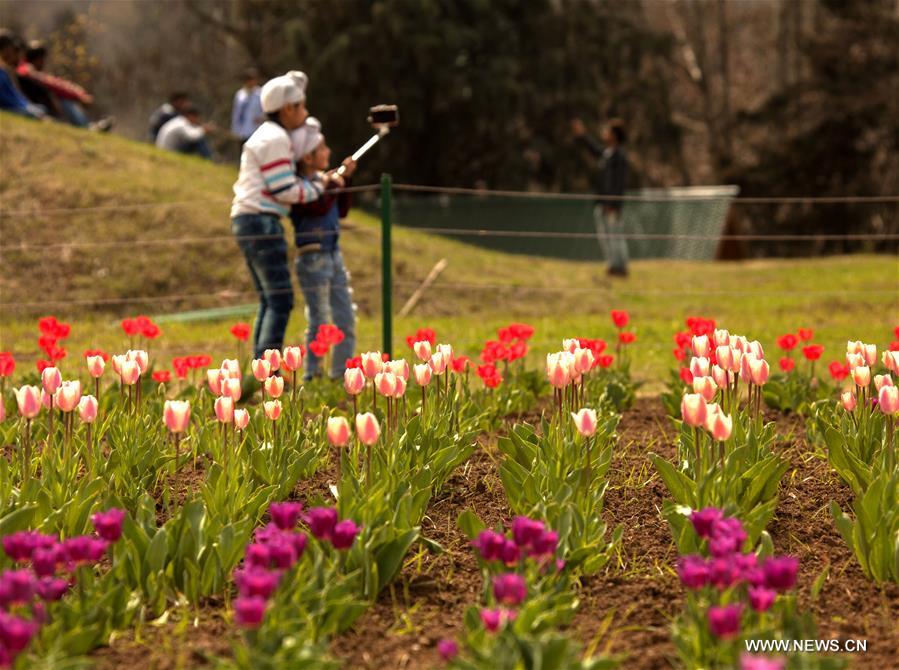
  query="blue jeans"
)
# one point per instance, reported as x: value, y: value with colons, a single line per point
x: 608, y: 224
x: 325, y: 283
x: 270, y: 272
x: 73, y: 113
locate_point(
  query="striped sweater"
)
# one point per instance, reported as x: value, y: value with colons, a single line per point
x: 267, y: 183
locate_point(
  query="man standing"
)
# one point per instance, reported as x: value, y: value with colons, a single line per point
x: 611, y: 180
x: 247, y: 114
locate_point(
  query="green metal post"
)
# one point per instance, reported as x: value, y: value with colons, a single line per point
x: 386, y: 264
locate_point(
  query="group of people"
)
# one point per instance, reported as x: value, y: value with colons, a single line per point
x: 284, y: 171
x: 27, y: 89
x: 177, y: 125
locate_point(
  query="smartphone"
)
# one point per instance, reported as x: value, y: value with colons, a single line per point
x: 384, y: 115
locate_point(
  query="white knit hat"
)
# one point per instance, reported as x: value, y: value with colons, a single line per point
x: 278, y: 92
x: 307, y: 137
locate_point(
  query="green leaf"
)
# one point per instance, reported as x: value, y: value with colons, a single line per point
x: 470, y: 524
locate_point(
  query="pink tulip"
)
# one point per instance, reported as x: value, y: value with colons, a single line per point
x: 888, y: 400
x: 139, y: 356
x: 699, y: 366
x: 231, y: 368
x: 724, y: 356
x: 882, y: 380
x: 736, y: 360
x: 68, y: 395
x: 214, y: 378
x: 262, y: 369
x: 272, y: 409
x: 722, y: 338
x: 856, y: 347
x: 583, y: 360
x: 95, y: 366
x: 224, y: 409
x: 746, y: 367
x: 719, y: 425
x: 51, y: 379
x: 861, y: 375
x: 720, y: 375
x: 756, y: 348
x: 706, y: 387
x: 870, y: 354
x: 117, y: 362
x: 241, y: 419
x: 400, y: 389
x: 87, y: 408
x: 891, y: 361
x: 438, y: 362
x: 231, y: 388
x: 29, y: 401
x: 585, y: 421
x: 176, y: 415
x: 273, y: 356
x: 557, y: 370
x: 47, y: 400
x: 855, y: 360
x: 130, y: 372
x: 570, y: 345
x: 372, y: 364
x: 701, y: 346
x: 400, y: 369
x: 353, y: 381
x: 759, y: 371
x: 367, y: 428
x: 385, y: 382
x: 274, y: 386
x: 447, y: 351
x: 338, y: 431
x: 292, y: 359
x: 848, y: 400
x: 693, y: 409
x: 422, y: 374
x: 739, y: 343
x: 422, y: 350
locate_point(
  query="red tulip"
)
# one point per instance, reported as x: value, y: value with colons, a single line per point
x: 241, y: 331
x: 162, y: 376
x: 787, y: 342
x: 787, y: 364
x: 620, y: 318
x: 626, y: 337
x: 838, y: 370
x: 813, y: 351
x: 7, y: 364
x: 805, y: 334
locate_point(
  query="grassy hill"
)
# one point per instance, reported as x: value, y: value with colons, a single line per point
x: 176, y: 241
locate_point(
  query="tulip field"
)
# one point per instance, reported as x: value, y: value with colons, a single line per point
x: 441, y: 508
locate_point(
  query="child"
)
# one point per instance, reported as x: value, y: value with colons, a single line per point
x: 320, y: 270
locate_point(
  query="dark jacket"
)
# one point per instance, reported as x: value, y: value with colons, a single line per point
x: 611, y: 177
x: 316, y: 224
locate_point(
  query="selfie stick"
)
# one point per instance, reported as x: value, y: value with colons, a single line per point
x: 373, y: 140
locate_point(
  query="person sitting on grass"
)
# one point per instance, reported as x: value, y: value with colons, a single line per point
x: 323, y: 277
x: 185, y: 134
x: 11, y: 97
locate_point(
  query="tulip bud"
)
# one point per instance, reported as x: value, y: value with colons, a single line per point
x: 693, y: 409
x: 224, y: 409
x: 724, y: 356
x: 367, y: 428
x: 272, y: 409
x: 861, y: 375
x: 855, y: 360
x: 847, y: 398
x: 706, y: 387
x: 699, y: 366
x: 422, y: 374
x: 736, y: 360
x: 95, y: 366
x: 399, y: 368
x: 176, y: 415
x: 446, y: 350
x: 214, y: 378
x: 230, y: 368
x: 583, y: 360
x: 87, y: 408
x: 353, y: 381
x: 422, y: 350
x: 140, y: 357
x: 385, y: 382
x: 273, y: 356
x: 241, y: 419
x: 856, y: 347
x: 117, y: 362
x: 746, y: 367
x: 557, y: 373
x: 292, y: 358
x: 882, y: 380
x: 68, y: 395
x: 262, y: 369
x: 338, y: 431
x: 719, y: 425
x: 888, y: 400
x: 400, y: 389
x: 870, y: 354
x: 700, y: 346
x: 231, y: 388
x: 47, y: 399
x: 720, y: 375
x: 585, y: 421
x: 722, y: 338
x: 372, y: 364
x: 891, y: 361
x: 274, y: 385
x: 438, y: 362
x: 29, y: 400
x: 51, y: 379
x: 570, y: 345
x: 756, y: 348
x: 130, y: 372
x: 759, y: 371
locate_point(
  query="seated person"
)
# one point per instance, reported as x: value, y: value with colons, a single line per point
x: 185, y: 134
x: 11, y: 97
x: 177, y: 103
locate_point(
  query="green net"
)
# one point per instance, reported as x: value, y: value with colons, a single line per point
x: 683, y: 223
